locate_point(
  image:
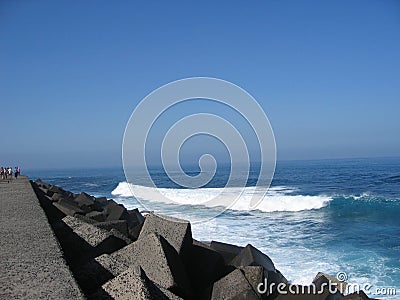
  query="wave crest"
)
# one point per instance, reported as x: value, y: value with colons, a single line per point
x: 277, y: 199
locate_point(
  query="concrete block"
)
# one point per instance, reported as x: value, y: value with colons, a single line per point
x: 165, y: 292
x: 112, y: 264
x: 99, y: 203
x: 42, y: 189
x: 227, y: 251
x: 57, y: 197
x: 254, y: 275
x: 120, y: 225
x: 96, y: 215
x: 68, y: 208
x: 134, y: 284
x: 129, y: 285
x: 204, y: 266
x: 91, y: 234
x: 251, y: 256
x: 116, y: 212
x: 136, y: 217
x: 169, y: 272
x: 134, y: 232
x: 107, y: 208
x: 96, y: 241
x: 42, y: 184
x: 86, y: 219
x: 177, y: 232
x: 275, y: 278
x: 326, y: 279
x: 84, y: 199
x: 56, y: 189
x: 158, y: 259
x: 91, y: 276
x: 101, y: 200
x: 126, y: 256
x: 121, y: 236
x: 233, y: 286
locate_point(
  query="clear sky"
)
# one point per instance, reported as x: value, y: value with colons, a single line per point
x: 327, y: 73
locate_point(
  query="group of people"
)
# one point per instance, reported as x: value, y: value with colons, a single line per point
x: 7, y: 173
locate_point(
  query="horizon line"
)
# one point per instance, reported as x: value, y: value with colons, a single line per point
x: 222, y: 163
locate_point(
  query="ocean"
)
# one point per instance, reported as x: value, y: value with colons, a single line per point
x: 332, y: 216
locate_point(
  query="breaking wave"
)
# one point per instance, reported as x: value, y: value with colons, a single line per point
x: 278, y: 198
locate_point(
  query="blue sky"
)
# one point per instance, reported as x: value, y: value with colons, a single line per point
x: 327, y: 73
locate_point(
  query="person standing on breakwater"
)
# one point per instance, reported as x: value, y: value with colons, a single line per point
x: 6, y: 173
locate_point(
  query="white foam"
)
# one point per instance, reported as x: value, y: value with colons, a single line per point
x: 355, y: 196
x: 277, y: 199
x: 91, y: 184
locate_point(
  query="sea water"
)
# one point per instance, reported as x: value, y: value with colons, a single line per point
x: 323, y: 215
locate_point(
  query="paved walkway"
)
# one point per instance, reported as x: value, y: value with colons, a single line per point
x: 31, y: 262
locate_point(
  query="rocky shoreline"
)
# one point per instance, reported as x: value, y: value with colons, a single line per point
x: 115, y: 253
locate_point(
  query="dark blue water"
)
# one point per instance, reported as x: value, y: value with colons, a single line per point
x: 323, y: 215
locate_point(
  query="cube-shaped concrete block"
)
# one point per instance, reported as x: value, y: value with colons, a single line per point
x: 56, y: 189
x: 169, y: 272
x: 92, y: 275
x: 57, y: 197
x: 111, y: 264
x: 227, y: 251
x: 327, y: 280
x: 255, y: 276
x: 134, y: 232
x: 84, y: 199
x: 119, y: 225
x: 100, y: 240
x: 158, y: 259
x: 233, y: 286
x: 136, y: 217
x: 91, y: 234
x: 204, y: 265
x: 251, y: 256
x: 96, y: 215
x: 68, y: 208
x: 116, y: 212
x: 134, y: 284
x: 130, y: 284
x: 177, y: 232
